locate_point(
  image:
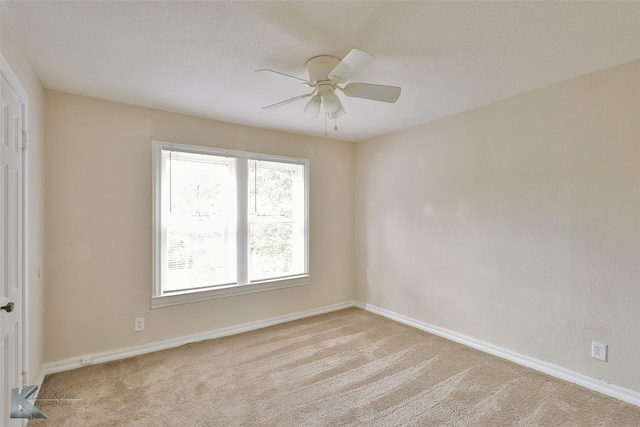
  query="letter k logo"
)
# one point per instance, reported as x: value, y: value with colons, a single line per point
x: 19, y: 399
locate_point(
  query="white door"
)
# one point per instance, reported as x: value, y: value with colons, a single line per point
x: 11, y: 250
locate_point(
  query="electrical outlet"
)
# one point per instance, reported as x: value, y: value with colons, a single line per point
x: 139, y: 324
x: 599, y: 351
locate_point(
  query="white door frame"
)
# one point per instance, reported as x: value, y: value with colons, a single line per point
x: 14, y: 82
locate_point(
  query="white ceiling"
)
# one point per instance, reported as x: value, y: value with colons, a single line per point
x: 199, y: 58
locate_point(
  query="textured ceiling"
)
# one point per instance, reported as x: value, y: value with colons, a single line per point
x: 199, y: 58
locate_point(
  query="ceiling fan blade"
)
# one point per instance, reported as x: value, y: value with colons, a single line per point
x: 355, y: 61
x: 278, y: 73
x: 370, y: 91
x: 286, y: 101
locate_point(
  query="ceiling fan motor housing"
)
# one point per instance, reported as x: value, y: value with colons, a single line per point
x: 319, y: 67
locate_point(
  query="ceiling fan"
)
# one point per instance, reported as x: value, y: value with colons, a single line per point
x: 326, y: 73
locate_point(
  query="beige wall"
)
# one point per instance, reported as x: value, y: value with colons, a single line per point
x: 517, y: 223
x: 13, y: 52
x: 98, y: 182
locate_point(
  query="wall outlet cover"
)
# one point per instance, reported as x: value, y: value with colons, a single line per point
x: 139, y: 324
x: 599, y: 351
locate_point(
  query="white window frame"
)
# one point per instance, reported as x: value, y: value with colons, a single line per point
x: 243, y: 286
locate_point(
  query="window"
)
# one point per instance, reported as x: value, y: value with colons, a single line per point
x: 226, y: 223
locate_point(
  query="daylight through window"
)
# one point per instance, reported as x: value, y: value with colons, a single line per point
x: 227, y: 219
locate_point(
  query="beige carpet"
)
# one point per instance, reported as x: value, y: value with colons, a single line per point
x: 348, y: 368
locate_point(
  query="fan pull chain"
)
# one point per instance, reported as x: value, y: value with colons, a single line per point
x: 335, y: 124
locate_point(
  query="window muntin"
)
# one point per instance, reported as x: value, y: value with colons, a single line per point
x: 225, y: 220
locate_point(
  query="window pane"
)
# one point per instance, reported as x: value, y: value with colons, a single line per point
x: 276, y: 220
x: 199, y: 215
x: 271, y: 250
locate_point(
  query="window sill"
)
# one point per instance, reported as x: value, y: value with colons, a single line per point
x: 226, y: 291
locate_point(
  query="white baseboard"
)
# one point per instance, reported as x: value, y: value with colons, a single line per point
x: 621, y: 393
x: 39, y: 381
x: 123, y: 353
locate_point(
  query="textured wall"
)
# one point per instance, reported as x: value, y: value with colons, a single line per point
x: 517, y: 223
x: 15, y: 55
x: 98, y: 182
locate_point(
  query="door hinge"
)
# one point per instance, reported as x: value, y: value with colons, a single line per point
x: 24, y: 139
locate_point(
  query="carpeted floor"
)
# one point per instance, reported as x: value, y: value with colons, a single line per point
x: 348, y: 368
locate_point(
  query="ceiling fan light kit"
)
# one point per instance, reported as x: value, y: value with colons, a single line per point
x: 337, y: 114
x: 325, y: 73
x: 313, y: 106
x: 331, y: 101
